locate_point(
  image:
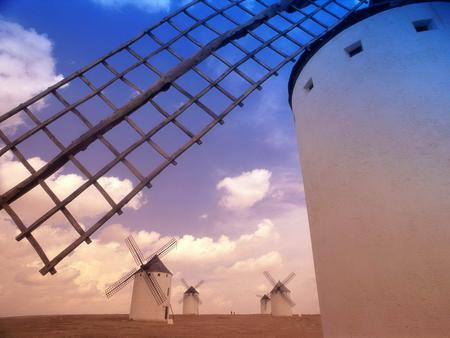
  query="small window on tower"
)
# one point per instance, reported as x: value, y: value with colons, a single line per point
x: 159, y: 274
x: 309, y: 85
x: 354, y: 49
x: 423, y: 25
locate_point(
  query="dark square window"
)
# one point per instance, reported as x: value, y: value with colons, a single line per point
x: 309, y: 85
x: 354, y: 49
x: 423, y: 25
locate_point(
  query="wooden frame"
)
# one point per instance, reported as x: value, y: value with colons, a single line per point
x: 148, y: 96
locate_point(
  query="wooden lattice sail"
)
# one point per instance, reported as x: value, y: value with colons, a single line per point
x: 243, y: 41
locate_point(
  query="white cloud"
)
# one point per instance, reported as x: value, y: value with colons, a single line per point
x: 82, y: 277
x: 255, y: 265
x: 231, y: 266
x: 26, y: 67
x: 244, y: 191
x: 88, y: 204
x: 147, y: 5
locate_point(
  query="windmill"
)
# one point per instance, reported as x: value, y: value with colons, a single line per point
x: 265, y: 306
x: 358, y: 74
x: 281, y: 302
x: 198, y: 77
x: 152, y: 280
x: 191, y: 299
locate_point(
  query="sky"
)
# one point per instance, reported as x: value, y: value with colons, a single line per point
x: 236, y: 203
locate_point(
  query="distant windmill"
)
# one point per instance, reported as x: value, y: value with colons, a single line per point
x: 152, y: 280
x: 191, y: 300
x: 281, y: 302
x: 265, y: 304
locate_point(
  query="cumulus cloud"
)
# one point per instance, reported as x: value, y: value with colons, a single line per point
x: 231, y: 265
x: 147, y: 5
x: 26, y: 67
x: 244, y: 191
x: 82, y: 277
x: 88, y: 204
x: 255, y: 265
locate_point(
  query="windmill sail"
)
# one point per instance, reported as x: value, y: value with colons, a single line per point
x: 121, y: 283
x: 150, y: 280
x: 241, y: 41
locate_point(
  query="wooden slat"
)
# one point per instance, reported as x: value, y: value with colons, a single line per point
x: 165, y: 81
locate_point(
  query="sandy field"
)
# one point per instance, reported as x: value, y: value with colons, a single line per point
x: 226, y: 326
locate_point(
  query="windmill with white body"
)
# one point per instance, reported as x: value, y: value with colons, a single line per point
x: 280, y: 296
x: 152, y: 283
x: 191, y: 299
x: 265, y: 304
x: 370, y: 79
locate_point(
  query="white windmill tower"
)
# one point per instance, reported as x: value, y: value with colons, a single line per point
x: 152, y: 284
x: 265, y: 304
x: 371, y: 104
x: 370, y: 99
x: 280, y: 296
x: 191, y: 299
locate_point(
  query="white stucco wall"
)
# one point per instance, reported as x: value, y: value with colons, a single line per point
x: 279, y: 306
x: 143, y: 304
x: 374, y: 137
x: 190, y: 305
x: 265, y: 307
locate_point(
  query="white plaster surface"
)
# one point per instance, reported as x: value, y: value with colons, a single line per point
x: 190, y: 305
x: 374, y: 137
x: 265, y: 307
x: 279, y: 306
x: 143, y: 304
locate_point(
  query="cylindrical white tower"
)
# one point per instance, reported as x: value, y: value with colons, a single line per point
x: 265, y: 305
x: 190, y: 302
x: 279, y: 301
x: 143, y: 303
x: 372, y: 109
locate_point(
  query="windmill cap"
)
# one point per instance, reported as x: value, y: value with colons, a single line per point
x: 156, y: 265
x: 265, y: 297
x: 280, y: 287
x: 191, y: 290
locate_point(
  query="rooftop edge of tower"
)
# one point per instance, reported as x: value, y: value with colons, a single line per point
x: 156, y: 265
x: 279, y: 287
x: 191, y: 290
x: 376, y: 7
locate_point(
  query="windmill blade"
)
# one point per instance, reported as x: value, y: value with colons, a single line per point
x: 186, y: 285
x: 199, y: 284
x: 288, y: 299
x: 112, y: 289
x: 154, y: 288
x: 288, y: 278
x: 161, y: 293
x: 165, y: 249
x: 259, y: 296
x: 270, y: 278
x: 135, y: 251
x: 102, y: 119
x: 197, y: 298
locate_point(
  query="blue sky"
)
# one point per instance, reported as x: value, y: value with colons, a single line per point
x: 204, y: 199
x: 262, y: 131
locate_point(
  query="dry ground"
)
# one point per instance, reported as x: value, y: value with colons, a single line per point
x: 223, y: 326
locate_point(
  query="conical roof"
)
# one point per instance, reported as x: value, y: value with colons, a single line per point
x: 156, y: 265
x: 280, y: 287
x: 191, y: 290
x: 265, y: 298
